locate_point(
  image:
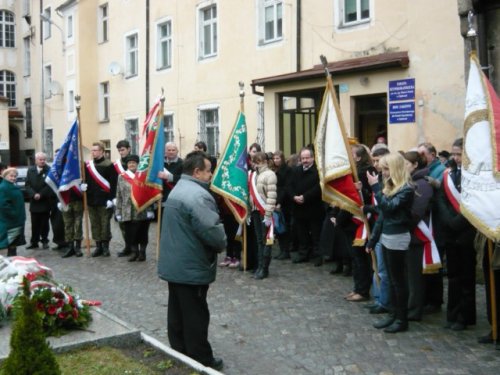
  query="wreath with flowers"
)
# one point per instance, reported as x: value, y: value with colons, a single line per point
x: 58, y: 306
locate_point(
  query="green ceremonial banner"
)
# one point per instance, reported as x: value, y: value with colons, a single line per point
x: 230, y: 179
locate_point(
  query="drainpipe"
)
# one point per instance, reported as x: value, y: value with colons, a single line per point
x: 299, y: 32
x: 147, y: 56
x: 42, y: 106
x: 482, y: 40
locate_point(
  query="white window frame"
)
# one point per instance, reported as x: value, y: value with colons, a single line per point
x: 164, y: 42
x: 213, y: 29
x: 8, y: 86
x: 104, y: 102
x: 103, y: 23
x: 134, y: 143
x: 47, y: 26
x: 340, y: 16
x: 70, y: 29
x: 70, y: 99
x: 131, y: 54
x: 27, y: 56
x: 212, y: 149
x: 169, y: 133
x: 47, y: 80
x: 274, y: 5
x: 8, y: 28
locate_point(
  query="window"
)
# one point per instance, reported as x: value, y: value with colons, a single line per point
x: 164, y: 49
x: 132, y: 134
x: 131, y: 55
x: 104, y: 101
x: 8, y: 86
x: 103, y: 23
x: 168, y: 122
x: 271, y: 21
x: 27, y: 56
x: 47, y: 80
x: 47, y: 26
x: 107, y: 148
x: 49, y: 143
x: 28, y: 118
x: 208, y: 32
x: 355, y: 11
x: 71, y: 101
x: 260, y: 122
x: 26, y: 7
x: 69, y: 27
x: 7, y: 29
x: 209, y: 129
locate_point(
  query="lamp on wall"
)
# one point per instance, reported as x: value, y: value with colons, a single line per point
x: 364, y: 81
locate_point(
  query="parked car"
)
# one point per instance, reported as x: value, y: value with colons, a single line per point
x: 22, y: 172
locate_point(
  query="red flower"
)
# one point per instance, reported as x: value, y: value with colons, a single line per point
x: 60, y: 303
x: 62, y: 315
x: 51, y: 310
x: 30, y: 276
x: 75, y: 314
x: 39, y: 306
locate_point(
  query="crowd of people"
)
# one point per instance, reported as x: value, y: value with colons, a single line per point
x: 409, y: 199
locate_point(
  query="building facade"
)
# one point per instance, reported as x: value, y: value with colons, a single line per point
x: 119, y: 55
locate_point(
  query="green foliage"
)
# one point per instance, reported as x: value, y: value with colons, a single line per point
x: 30, y: 353
x: 3, y: 314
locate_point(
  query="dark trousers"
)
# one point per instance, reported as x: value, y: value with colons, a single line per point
x: 461, y: 284
x: 57, y: 224
x: 136, y: 232
x: 263, y: 250
x: 397, y: 270
x: 309, y: 232
x: 433, y: 285
x: 361, y: 271
x: 487, y: 283
x: 285, y: 238
x: 233, y: 249
x: 40, y: 227
x: 188, y: 319
x: 414, y: 258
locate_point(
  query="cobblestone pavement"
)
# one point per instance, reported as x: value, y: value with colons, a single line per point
x: 294, y: 322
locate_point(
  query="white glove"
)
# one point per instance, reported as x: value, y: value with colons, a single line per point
x: 59, y: 206
x: 150, y: 215
x: 83, y: 187
x: 118, y: 217
x: 267, y: 221
x: 114, y: 201
x: 249, y: 220
x: 109, y: 204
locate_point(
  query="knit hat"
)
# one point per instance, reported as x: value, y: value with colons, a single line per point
x: 133, y: 158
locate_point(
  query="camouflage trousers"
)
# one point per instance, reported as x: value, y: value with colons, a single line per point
x: 100, y: 222
x: 73, y: 221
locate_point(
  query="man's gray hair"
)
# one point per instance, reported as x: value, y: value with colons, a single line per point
x: 171, y: 144
x: 40, y: 155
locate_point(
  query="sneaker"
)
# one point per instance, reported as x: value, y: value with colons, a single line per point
x: 235, y: 263
x: 226, y: 262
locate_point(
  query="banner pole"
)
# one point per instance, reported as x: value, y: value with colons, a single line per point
x: 244, y: 246
x: 158, y: 226
x: 494, y: 323
x: 82, y: 174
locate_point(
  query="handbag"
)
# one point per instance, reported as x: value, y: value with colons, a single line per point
x: 279, y: 222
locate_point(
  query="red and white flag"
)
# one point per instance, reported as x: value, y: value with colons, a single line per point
x: 481, y: 158
x: 336, y: 173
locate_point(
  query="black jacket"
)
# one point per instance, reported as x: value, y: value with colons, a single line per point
x: 394, y: 213
x: 283, y: 174
x: 306, y: 183
x: 176, y: 169
x: 96, y: 195
x: 35, y: 184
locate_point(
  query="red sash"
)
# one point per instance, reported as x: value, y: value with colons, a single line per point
x: 451, y: 192
x: 260, y: 205
x: 119, y: 167
x: 431, y: 262
x: 128, y: 176
x: 101, y: 181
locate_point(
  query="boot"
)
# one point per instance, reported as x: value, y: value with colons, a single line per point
x: 259, y: 273
x: 283, y: 255
x: 265, y: 269
x: 125, y: 252
x: 78, y: 248
x: 98, y: 249
x: 105, y: 248
x: 142, y: 253
x: 135, y: 253
x: 70, y: 252
x: 11, y: 251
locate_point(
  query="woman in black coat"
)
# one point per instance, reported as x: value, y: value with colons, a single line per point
x: 283, y: 203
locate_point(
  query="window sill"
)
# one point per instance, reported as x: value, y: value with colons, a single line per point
x: 353, y: 24
x: 131, y: 76
x: 263, y: 43
x: 163, y: 69
x: 105, y: 121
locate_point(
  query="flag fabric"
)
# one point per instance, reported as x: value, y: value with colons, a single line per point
x: 481, y: 157
x: 332, y: 157
x: 147, y: 187
x: 230, y: 179
x: 64, y: 174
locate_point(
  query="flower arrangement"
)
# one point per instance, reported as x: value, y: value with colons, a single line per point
x: 58, y: 306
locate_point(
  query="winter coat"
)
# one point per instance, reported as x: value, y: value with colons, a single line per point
x: 175, y: 168
x: 35, y: 184
x: 124, y: 206
x: 421, y: 206
x: 191, y: 234
x: 283, y: 174
x: 96, y: 195
x: 266, y: 188
x: 12, y: 212
x: 306, y: 183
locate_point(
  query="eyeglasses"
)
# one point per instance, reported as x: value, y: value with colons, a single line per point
x: 456, y: 154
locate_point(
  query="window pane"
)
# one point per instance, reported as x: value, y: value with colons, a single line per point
x: 269, y: 23
x: 350, y: 10
x: 207, y: 42
x: 365, y: 9
x: 279, y: 20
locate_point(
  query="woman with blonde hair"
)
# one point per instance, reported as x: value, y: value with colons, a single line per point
x: 12, y: 213
x: 392, y: 230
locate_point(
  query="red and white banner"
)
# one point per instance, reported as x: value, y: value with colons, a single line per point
x: 260, y: 204
x: 101, y: 181
x: 481, y: 158
x: 431, y: 261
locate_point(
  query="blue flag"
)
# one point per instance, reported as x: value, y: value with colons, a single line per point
x: 64, y: 173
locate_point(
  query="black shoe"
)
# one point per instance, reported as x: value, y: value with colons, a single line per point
x: 60, y: 247
x: 448, y: 325
x: 69, y: 253
x: 217, y: 364
x: 397, y: 326
x: 347, y: 271
x: 45, y: 245
x: 414, y: 318
x: 338, y: 269
x: 124, y: 253
x: 97, y: 252
x: 486, y: 339
x: 318, y: 262
x: 299, y: 260
x: 432, y: 309
x: 383, y: 323
x: 32, y: 246
x: 458, y: 326
x: 282, y: 256
x: 378, y: 310
x: 370, y: 305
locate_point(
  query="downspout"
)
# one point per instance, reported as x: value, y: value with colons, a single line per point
x: 42, y: 112
x: 148, y: 49
x: 299, y: 35
x: 482, y: 41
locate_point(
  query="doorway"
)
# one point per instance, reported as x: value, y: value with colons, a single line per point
x: 370, y: 118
